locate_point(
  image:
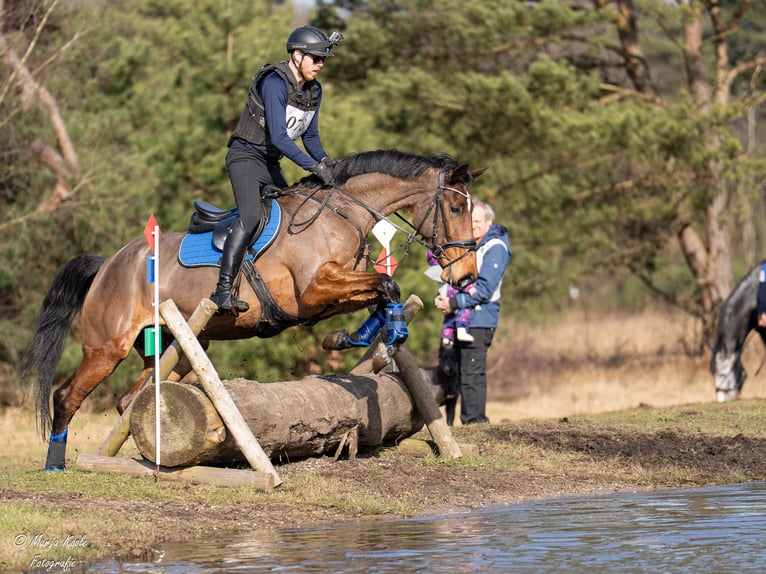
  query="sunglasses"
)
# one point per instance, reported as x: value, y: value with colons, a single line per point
x: 317, y: 59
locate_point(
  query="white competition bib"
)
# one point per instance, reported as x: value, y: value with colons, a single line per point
x: 297, y: 121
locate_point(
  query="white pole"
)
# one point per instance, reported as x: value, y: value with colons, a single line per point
x: 156, y: 303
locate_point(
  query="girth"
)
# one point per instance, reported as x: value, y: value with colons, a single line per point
x: 273, y: 318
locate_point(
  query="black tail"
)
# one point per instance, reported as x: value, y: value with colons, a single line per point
x: 60, y: 306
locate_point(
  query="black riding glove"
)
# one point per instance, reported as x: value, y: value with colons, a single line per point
x: 323, y: 172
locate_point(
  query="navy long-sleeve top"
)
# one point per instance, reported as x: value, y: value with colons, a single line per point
x: 287, y: 123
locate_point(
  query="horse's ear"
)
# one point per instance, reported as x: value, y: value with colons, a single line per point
x: 478, y: 171
x: 461, y: 174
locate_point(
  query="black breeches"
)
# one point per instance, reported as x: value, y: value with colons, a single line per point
x: 250, y: 172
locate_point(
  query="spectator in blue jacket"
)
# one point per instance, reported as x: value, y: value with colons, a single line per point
x: 492, y: 256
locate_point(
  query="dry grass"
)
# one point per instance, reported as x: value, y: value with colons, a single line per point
x: 22, y: 448
x: 591, y: 364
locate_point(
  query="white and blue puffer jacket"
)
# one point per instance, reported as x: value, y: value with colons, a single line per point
x: 493, y: 254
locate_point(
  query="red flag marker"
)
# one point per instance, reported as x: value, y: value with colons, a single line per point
x: 386, y: 263
x: 149, y: 231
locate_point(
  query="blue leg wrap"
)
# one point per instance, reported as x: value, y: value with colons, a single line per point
x: 396, y: 324
x: 56, y: 459
x: 371, y: 327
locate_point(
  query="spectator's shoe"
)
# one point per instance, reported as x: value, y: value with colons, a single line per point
x: 463, y: 335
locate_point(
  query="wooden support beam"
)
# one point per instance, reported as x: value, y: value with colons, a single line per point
x: 215, y: 390
x: 193, y: 474
x: 413, y: 377
x: 197, y: 322
x: 311, y: 416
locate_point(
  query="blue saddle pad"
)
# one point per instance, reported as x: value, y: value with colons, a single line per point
x: 197, y: 249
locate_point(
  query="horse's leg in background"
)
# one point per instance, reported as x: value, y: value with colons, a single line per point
x: 179, y: 372
x: 128, y: 396
x: 95, y: 367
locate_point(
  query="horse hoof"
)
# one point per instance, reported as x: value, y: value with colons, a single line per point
x: 337, y: 341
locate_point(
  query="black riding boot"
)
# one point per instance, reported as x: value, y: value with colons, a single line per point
x: 233, y: 254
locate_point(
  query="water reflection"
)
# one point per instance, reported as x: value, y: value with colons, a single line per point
x: 717, y: 529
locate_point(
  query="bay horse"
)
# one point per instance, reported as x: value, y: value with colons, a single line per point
x: 310, y: 272
x: 737, y: 317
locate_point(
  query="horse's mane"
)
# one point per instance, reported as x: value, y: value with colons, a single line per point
x: 389, y: 162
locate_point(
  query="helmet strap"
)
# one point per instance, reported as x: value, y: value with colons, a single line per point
x: 298, y: 64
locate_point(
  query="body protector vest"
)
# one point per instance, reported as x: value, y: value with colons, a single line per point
x: 301, y: 107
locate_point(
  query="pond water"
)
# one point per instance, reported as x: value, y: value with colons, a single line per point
x: 711, y: 529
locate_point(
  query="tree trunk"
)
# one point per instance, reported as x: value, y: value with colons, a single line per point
x: 310, y: 416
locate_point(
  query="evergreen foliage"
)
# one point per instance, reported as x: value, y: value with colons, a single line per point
x: 593, y: 177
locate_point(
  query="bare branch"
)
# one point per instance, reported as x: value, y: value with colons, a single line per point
x: 620, y: 93
x: 18, y: 64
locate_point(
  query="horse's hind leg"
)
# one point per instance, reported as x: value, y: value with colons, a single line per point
x: 180, y: 370
x: 95, y: 367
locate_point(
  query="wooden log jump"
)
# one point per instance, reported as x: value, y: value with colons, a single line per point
x: 292, y: 419
x: 216, y: 422
x: 208, y: 376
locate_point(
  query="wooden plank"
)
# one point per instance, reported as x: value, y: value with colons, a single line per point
x: 193, y: 474
x: 215, y: 390
x: 197, y: 322
x: 413, y: 377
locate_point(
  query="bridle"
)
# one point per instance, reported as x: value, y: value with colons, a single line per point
x: 437, y: 206
x: 435, y: 210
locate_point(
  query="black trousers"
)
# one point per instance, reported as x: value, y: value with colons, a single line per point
x: 473, y: 375
x: 250, y: 171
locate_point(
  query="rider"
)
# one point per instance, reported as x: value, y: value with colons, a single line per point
x: 282, y: 105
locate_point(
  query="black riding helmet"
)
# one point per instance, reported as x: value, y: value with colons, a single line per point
x: 312, y: 40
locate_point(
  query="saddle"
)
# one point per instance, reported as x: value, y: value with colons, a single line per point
x: 207, y: 217
x: 209, y: 226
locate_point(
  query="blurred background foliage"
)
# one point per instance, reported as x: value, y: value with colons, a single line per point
x: 592, y: 177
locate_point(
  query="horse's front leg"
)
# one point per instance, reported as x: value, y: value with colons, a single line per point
x: 341, y: 290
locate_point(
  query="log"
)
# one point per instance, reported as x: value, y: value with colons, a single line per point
x: 215, y: 390
x: 292, y: 419
x: 194, y: 474
x: 197, y: 322
x: 201, y: 427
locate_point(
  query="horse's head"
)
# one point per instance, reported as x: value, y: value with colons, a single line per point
x: 446, y: 225
x: 434, y: 189
x: 726, y: 367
